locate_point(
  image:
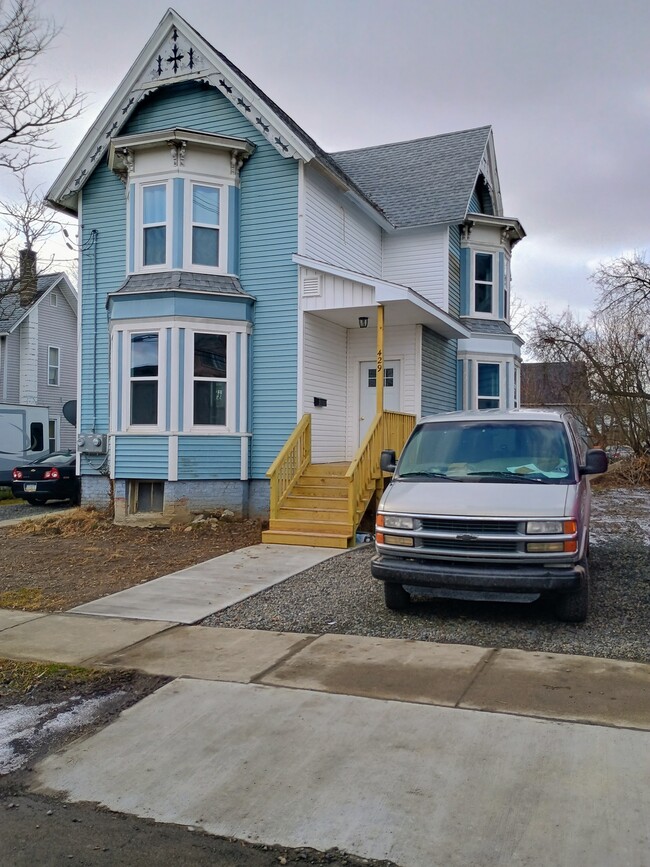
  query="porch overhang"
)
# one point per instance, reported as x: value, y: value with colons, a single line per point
x: 402, y: 305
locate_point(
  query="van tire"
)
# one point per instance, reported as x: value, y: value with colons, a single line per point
x: 574, y: 607
x: 396, y: 597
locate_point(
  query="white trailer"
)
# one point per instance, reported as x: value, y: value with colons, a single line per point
x: 24, y: 437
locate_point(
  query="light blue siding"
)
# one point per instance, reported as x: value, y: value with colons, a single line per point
x: 454, y: 270
x: 141, y: 457
x: 268, y: 238
x: 460, y: 370
x: 157, y: 304
x: 178, y: 191
x: 103, y: 271
x: 475, y: 204
x: 465, y: 270
x: 181, y: 378
x: 209, y: 457
x: 438, y: 373
x: 502, y: 274
x: 233, y: 230
x: 131, y: 227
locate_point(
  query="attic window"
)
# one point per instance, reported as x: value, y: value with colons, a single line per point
x: 54, y: 299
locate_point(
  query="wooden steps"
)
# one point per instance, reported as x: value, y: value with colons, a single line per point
x: 316, y: 510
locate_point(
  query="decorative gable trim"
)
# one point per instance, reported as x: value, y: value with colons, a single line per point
x: 175, y: 53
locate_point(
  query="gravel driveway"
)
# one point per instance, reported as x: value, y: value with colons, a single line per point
x: 340, y: 596
x: 21, y: 509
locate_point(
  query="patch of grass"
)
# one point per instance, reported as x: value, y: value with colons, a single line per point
x: 6, y: 497
x: 24, y: 598
x: 21, y: 678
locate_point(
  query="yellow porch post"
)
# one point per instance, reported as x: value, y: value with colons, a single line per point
x: 380, y: 358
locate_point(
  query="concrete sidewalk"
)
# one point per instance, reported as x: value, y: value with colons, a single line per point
x: 427, y: 754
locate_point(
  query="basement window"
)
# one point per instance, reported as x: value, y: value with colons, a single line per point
x: 146, y: 497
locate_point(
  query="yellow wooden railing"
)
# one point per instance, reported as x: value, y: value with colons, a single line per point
x: 290, y: 464
x: 389, y: 430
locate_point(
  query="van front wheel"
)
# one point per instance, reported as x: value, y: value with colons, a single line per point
x: 396, y: 597
x: 573, y: 607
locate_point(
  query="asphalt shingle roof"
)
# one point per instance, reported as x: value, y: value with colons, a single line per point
x: 184, y: 280
x: 487, y: 326
x: 10, y: 307
x: 420, y: 182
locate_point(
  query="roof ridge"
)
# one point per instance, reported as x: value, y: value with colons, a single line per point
x: 486, y: 127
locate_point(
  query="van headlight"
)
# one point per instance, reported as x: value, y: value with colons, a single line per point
x: 398, y: 522
x: 546, y: 528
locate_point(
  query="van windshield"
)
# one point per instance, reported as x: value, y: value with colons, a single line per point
x: 495, y: 451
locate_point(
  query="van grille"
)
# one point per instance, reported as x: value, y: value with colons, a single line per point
x: 453, y: 525
x: 467, y: 546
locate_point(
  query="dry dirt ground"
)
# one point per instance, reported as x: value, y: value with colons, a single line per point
x: 75, y: 556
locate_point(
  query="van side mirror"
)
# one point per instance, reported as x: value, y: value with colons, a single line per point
x: 596, y: 462
x: 388, y: 461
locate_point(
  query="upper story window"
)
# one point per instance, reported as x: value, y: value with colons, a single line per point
x: 484, y: 294
x: 206, y: 227
x: 53, y: 365
x: 143, y: 390
x: 154, y: 225
x: 182, y: 198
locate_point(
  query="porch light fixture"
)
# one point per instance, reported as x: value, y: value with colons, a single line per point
x: 363, y: 322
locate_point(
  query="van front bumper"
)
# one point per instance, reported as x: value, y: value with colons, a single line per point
x: 508, y: 578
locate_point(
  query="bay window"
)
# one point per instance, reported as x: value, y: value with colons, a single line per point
x: 484, y: 283
x: 488, y: 389
x: 210, y: 374
x: 154, y: 225
x: 205, y: 225
x: 143, y: 386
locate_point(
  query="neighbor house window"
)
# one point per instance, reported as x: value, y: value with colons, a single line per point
x: 52, y: 434
x: 488, y: 385
x: 53, y: 365
x: 54, y: 299
x: 144, y: 379
x: 483, y: 283
x: 205, y: 225
x: 210, y: 379
x: 154, y: 224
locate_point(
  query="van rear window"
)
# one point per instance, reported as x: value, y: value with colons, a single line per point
x: 530, y: 451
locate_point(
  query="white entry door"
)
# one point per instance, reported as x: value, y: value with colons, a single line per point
x: 368, y: 391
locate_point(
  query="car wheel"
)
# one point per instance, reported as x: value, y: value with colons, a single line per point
x: 574, y: 607
x: 396, y: 597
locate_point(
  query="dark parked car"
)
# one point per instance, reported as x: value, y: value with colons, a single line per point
x: 53, y: 477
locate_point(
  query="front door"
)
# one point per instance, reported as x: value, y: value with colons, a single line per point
x: 368, y: 391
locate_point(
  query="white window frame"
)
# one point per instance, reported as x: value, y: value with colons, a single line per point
x: 127, y: 379
x: 138, y: 234
x: 53, y: 434
x: 56, y: 367
x: 54, y: 299
x: 230, y: 380
x: 479, y: 314
x: 501, y: 397
x: 188, y: 265
x: 516, y: 386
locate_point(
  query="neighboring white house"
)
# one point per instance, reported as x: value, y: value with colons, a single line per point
x: 38, y: 350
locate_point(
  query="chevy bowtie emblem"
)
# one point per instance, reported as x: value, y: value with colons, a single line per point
x: 466, y: 537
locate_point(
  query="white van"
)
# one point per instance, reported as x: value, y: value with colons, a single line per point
x: 23, y: 437
x: 491, y: 504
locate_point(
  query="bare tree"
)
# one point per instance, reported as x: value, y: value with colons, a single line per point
x: 29, y: 109
x: 613, y: 348
x: 624, y: 284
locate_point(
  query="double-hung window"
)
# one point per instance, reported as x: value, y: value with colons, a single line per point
x: 206, y: 225
x: 484, y: 283
x: 154, y: 225
x: 488, y: 391
x: 143, y: 394
x: 53, y: 365
x: 210, y: 379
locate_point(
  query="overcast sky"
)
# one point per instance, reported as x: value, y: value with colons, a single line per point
x: 564, y: 83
